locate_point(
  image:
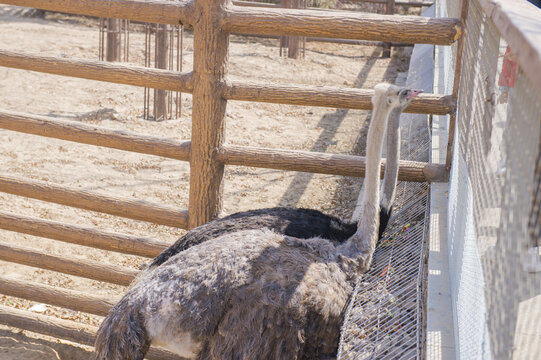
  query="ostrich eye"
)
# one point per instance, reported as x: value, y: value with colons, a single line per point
x: 389, y: 101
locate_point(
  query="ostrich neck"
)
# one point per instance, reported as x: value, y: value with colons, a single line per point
x: 364, y: 240
x: 374, y: 145
x: 393, y: 154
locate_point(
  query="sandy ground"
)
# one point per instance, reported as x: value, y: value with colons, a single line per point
x: 156, y: 179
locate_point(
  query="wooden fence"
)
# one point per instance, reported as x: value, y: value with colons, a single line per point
x: 205, y: 151
x: 390, y: 6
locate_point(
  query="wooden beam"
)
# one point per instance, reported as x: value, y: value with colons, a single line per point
x: 356, y: 42
x: 347, y: 98
x: 63, y: 329
x: 389, y: 10
x: 101, y: 71
x: 94, y: 135
x: 48, y: 325
x: 84, y: 268
x: 208, y: 114
x: 329, y: 40
x: 90, y: 237
x: 255, y: 4
x: 57, y: 296
x: 128, y: 208
x: 398, y: 2
x: 342, y: 25
x: 152, y: 11
x: 113, y: 40
x: 456, y: 86
x: 161, y: 59
x: 324, y: 163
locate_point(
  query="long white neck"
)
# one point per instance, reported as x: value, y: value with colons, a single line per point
x: 362, y: 244
x: 393, y: 156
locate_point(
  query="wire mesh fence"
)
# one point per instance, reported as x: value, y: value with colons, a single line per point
x: 493, y: 244
x: 494, y: 218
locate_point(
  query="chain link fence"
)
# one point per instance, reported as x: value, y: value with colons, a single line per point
x: 493, y: 223
x: 494, y: 209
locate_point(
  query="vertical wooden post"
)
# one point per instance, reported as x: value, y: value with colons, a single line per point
x: 113, y: 40
x: 389, y: 10
x: 456, y: 83
x: 294, y: 41
x: 208, y: 114
x: 160, y: 96
x: 284, y: 39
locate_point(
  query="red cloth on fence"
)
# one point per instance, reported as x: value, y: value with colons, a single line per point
x: 509, y: 70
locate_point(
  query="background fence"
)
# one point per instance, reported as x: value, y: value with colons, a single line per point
x: 205, y: 151
x: 494, y: 215
x: 494, y: 188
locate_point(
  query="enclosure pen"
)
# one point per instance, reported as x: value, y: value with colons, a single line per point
x: 205, y: 151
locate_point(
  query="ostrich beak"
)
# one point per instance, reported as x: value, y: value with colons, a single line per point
x: 414, y: 93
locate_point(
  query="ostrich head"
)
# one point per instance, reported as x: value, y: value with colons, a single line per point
x: 389, y: 96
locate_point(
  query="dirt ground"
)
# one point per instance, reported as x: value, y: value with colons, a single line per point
x: 156, y: 179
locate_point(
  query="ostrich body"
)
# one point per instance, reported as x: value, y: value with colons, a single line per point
x: 253, y: 294
x: 298, y: 222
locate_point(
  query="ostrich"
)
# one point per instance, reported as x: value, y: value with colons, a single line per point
x: 298, y: 222
x: 253, y: 294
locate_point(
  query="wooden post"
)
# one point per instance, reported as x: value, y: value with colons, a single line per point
x: 210, y: 66
x: 294, y: 41
x: 389, y: 10
x: 162, y: 47
x: 456, y: 85
x: 113, y: 40
x: 284, y: 39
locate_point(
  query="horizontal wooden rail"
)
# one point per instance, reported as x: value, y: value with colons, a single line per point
x: 153, y: 11
x: 398, y: 2
x: 255, y: 4
x: 63, y: 329
x: 346, y: 98
x: 341, y: 24
x: 57, y: 296
x: 272, y: 5
x: 285, y: 94
x: 323, y: 163
x: 356, y: 42
x: 94, y: 135
x: 84, y: 268
x: 121, y: 243
x: 128, y: 208
x: 48, y: 325
x: 101, y: 71
x: 336, y: 41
